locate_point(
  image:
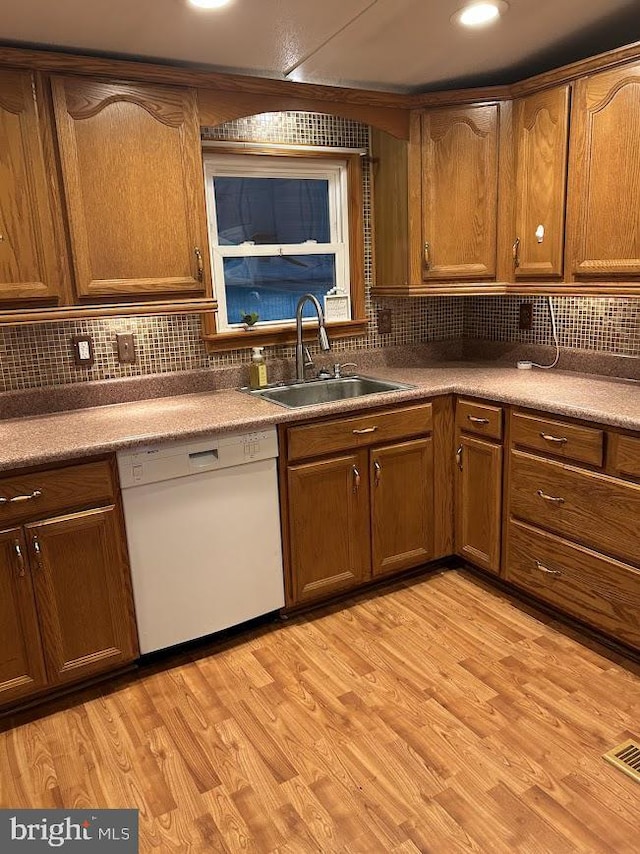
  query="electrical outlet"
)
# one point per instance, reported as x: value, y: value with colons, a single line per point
x: 126, y: 348
x: 82, y: 349
x: 526, y: 316
x: 384, y: 321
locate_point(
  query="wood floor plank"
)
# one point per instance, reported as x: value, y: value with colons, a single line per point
x: 434, y: 716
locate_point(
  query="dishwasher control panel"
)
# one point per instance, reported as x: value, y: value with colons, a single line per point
x: 154, y: 463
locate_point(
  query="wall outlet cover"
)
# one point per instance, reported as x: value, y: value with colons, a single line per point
x: 384, y: 321
x: 526, y: 316
x: 82, y: 349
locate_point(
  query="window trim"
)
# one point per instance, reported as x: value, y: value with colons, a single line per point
x: 284, y: 332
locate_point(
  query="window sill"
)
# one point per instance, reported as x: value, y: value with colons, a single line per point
x: 240, y: 340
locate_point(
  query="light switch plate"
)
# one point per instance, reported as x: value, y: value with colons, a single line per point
x: 126, y: 348
x: 384, y: 321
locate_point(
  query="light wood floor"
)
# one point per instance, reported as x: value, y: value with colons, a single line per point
x: 434, y: 717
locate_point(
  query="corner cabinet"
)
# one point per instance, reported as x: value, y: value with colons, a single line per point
x: 436, y: 202
x: 604, y: 177
x: 132, y: 169
x: 32, y: 254
x: 66, y: 607
x: 541, y: 129
x: 460, y: 192
x: 359, y: 495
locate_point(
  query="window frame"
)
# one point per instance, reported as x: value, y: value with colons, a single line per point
x: 222, y: 336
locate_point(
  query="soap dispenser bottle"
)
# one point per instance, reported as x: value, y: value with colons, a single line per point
x: 258, y: 369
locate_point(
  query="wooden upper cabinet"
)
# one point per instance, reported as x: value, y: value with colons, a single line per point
x: 603, y: 214
x: 541, y: 130
x: 132, y: 168
x: 32, y: 265
x: 460, y: 192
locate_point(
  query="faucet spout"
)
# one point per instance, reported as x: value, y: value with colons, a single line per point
x: 323, y: 338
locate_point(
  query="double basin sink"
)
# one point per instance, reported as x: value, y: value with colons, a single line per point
x: 298, y: 394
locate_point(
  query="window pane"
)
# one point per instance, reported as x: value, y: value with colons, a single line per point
x: 272, y: 285
x: 272, y: 210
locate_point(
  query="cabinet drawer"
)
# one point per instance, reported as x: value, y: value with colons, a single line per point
x: 313, y: 440
x: 569, y: 441
x: 624, y: 455
x: 589, y: 507
x: 603, y: 592
x: 479, y: 418
x: 41, y: 493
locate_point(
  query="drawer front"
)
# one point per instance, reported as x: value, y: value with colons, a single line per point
x: 624, y: 455
x: 37, y: 495
x: 603, y: 592
x: 569, y: 441
x: 479, y: 418
x: 592, y: 508
x: 314, y: 440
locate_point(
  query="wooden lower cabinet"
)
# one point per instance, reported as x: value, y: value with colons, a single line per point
x: 82, y: 593
x: 402, y: 511
x: 66, y: 606
x: 329, y: 525
x: 21, y: 663
x: 479, y: 502
x: 363, y: 511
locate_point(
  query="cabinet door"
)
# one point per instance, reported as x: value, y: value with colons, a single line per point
x: 541, y: 127
x: 479, y: 502
x: 132, y: 167
x: 401, y: 477
x: 21, y: 665
x: 460, y: 192
x: 83, y: 593
x: 604, y: 175
x: 29, y: 268
x: 329, y: 525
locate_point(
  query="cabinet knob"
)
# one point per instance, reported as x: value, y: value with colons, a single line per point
x: 475, y: 420
x: 459, y: 457
x: 378, y: 472
x: 38, y: 552
x: 427, y: 256
x: 546, y: 570
x: 558, y: 440
x: 356, y: 479
x: 200, y: 265
x: 551, y: 498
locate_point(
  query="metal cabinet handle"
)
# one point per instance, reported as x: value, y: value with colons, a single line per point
x: 559, y: 440
x: 550, y: 498
x: 38, y: 551
x: 475, y: 420
x: 198, y: 254
x: 20, y: 556
x: 356, y: 479
x: 459, y: 457
x: 16, y: 499
x: 516, y: 252
x: 364, y: 430
x: 378, y: 470
x: 427, y: 256
x: 546, y: 569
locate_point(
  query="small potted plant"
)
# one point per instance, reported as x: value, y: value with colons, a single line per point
x: 249, y: 319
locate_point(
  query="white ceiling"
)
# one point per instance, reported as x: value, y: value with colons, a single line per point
x: 403, y: 45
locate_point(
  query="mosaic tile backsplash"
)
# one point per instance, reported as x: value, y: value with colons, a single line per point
x: 40, y: 355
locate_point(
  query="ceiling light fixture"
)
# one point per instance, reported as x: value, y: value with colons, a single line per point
x: 208, y: 4
x: 480, y: 14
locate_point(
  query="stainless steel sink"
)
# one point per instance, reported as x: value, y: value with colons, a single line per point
x: 295, y: 395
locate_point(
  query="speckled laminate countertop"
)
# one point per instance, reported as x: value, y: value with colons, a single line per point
x: 85, y: 432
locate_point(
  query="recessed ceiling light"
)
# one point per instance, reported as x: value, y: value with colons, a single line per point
x: 208, y: 4
x: 480, y: 14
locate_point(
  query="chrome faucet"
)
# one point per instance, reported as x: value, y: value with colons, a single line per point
x: 323, y: 338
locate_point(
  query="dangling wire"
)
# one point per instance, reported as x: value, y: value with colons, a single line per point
x: 554, y: 329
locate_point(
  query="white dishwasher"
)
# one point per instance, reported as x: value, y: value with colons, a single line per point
x: 203, y: 528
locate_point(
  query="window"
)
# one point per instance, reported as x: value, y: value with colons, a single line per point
x: 279, y: 228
